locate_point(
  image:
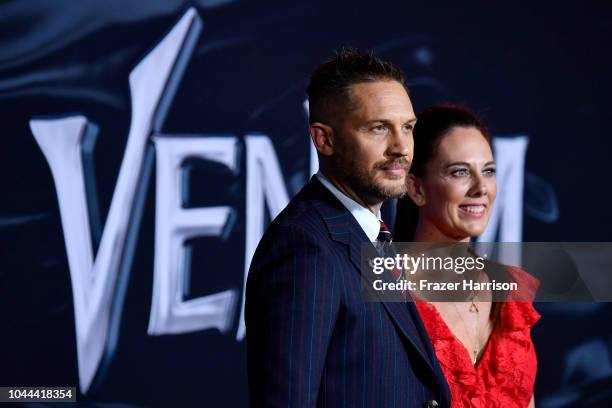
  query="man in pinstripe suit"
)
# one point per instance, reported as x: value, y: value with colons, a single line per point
x: 311, y: 338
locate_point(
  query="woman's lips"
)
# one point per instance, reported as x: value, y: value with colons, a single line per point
x: 473, y: 210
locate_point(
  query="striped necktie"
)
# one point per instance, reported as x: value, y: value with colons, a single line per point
x: 384, y: 235
x: 385, y: 248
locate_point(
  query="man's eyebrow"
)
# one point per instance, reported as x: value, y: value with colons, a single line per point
x: 382, y: 120
x: 378, y: 120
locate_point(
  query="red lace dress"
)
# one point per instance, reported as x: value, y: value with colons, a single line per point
x: 505, y: 374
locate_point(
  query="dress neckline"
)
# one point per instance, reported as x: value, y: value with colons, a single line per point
x: 443, y: 331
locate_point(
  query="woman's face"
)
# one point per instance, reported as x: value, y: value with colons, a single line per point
x: 458, y: 187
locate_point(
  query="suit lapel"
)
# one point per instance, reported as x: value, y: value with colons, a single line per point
x: 397, y: 310
x: 344, y: 228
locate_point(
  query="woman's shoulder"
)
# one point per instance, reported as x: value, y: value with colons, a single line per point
x: 523, y: 277
x: 525, y: 285
x: 518, y: 316
x: 518, y: 312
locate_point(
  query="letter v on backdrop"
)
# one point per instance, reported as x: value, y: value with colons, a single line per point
x: 98, y: 286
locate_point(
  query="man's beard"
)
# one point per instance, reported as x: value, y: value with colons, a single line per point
x: 363, y: 180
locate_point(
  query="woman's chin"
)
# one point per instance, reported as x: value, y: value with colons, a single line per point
x: 473, y: 228
x: 469, y: 232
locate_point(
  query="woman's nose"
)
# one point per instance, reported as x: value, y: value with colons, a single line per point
x: 479, y: 188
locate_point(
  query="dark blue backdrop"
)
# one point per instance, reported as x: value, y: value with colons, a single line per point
x: 540, y: 70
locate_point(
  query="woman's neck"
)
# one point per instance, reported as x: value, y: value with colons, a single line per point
x: 426, y: 231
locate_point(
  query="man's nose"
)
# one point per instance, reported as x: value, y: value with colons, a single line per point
x: 401, y: 144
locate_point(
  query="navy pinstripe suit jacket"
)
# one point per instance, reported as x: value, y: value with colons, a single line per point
x: 311, y: 339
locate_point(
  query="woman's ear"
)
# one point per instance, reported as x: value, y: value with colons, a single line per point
x: 415, y: 190
x: 322, y: 137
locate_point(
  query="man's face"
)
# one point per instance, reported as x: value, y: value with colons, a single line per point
x: 373, y: 143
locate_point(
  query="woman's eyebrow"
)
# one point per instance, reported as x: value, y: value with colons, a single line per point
x: 457, y: 164
x: 460, y: 163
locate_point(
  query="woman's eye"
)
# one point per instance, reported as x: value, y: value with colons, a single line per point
x: 489, y: 172
x: 460, y: 172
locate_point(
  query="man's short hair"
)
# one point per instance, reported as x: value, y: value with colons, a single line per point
x: 330, y: 82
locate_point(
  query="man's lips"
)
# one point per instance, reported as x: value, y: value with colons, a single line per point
x: 395, y: 170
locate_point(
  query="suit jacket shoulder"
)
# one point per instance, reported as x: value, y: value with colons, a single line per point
x: 299, y: 231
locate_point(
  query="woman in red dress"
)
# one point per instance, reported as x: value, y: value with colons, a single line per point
x: 484, y: 347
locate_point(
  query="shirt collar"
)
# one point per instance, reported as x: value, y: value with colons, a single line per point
x: 368, y: 222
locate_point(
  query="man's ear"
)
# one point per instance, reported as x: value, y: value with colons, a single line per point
x: 416, y: 190
x: 322, y: 137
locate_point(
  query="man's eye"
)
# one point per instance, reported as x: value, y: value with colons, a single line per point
x: 409, y: 128
x: 378, y: 128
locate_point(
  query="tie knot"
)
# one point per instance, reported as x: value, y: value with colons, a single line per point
x: 384, y: 235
